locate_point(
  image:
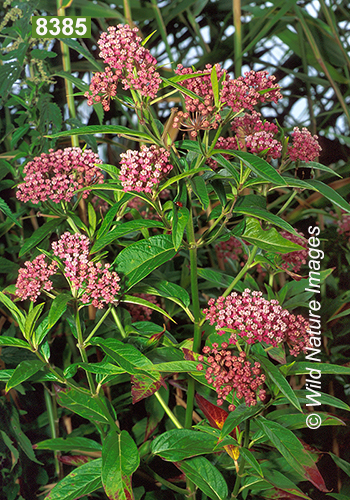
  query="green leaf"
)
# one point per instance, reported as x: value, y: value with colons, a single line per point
x: 299, y: 368
x: 206, y: 476
x: 330, y: 194
x: 259, y: 166
x: 200, y: 189
x: 75, y: 45
x: 103, y: 129
x: 79, y: 444
x: 269, y: 240
x: 219, y: 189
x: 126, y: 355
x: 326, y: 399
x: 7, y: 211
x: 83, y: 404
x: 16, y: 313
x: 179, y: 225
x: 38, y: 235
x: 276, y: 376
x: 182, y: 89
x: 31, y: 319
x: 342, y: 464
x: 144, y: 386
x: 82, y: 481
x: 8, y: 442
x: 130, y: 299
x: 92, y: 218
x: 175, y: 366
x: 42, y: 54
x: 110, y: 215
x: 101, y: 368
x: 58, y: 308
x: 229, y: 167
x: 120, y: 459
x: 122, y: 229
x: 249, y: 457
x: 139, y: 259
x: 24, y: 371
x: 265, y: 215
x: 215, y: 85
x: 179, y: 444
x: 298, y: 420
x: 235, y: 418
x: 292, y: 450
x: 167, y: 289
x: 13, y: 342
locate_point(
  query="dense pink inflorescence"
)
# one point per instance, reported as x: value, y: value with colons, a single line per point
x: 34, y: 278
x: 92, y: 282
x: 128, y: 62
x: 223, y: 143
x: 230, y: 373
x: 344, y: 225
x: 58, y: 174
x: 142, y: 170
x: 254, y: 318
x: 230, y: 249
x: 246, y: 91
x: 294, y: 260
x: 139, y: 312
x: 305, y: 147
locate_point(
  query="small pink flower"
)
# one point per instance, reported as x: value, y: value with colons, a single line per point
x: 255, y: 319
x: 34, y: 278
x: 227, y: 373
x: 139, y: 312
x: 304, y: 147
x: 58, y: 174
x: 142, y: 170
x: 295, y: 260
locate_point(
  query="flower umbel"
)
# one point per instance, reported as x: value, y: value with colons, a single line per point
x: 91, y: 282
x: 305, y: 146
x: 142, y: 170
x: 58, y: 174
x: 255, y: 319
x: 227, y: 372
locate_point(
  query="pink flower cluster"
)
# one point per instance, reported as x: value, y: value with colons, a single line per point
x: 230, y: 249
x: 91, y: 282
x: 139, y: 312
x: 142, y: 170
x: 294, y: 260
x: 241, y: 93
x: 344, y: 225
x: 227, y: 372
x: 58, y: 174
x: 305, y: 147
x: 127, y: 61
x: 246, y: 91
x: 223, y: 143
x: 34, y: 278
x: 255, y: 319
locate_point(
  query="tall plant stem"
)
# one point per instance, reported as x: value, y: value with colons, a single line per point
x: 168, y: 411
x: 242, y: 271
x: 51, y: 409
x: 237, y: 13
x: 242, y: 464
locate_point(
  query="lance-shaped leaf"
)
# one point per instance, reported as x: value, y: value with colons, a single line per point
x: 144, y: 386
x: 205, y: 476
x: 269, y: 239
x: 23, y: 372
x: 217, y: 417
x: 293, y: 451
x: 83, y: 404
x: 82, y: 481
x: 179, y: 444
x: 120, y: 459
x: 126, y: 355
x: 69, y: 444
x: 16, y: 313
x: 130, y: 299
x: 39, y: 235
x: 13, y: 342
x: 139, y: 259
x: 180, y: 220
x: 237, y: 416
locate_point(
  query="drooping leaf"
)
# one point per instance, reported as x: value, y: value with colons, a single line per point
x: 139, y: 259
x: 120, y: 459
x: 269, y: 240
x: 23, y: 372
x: 69, y: 444
x: 82, y: 481
x: 206, y: 476
x: 179, y: 225
x: 39, y: 235
x: 144, y: 386
x: 293, y: 451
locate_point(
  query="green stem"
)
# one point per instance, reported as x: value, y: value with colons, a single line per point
x: 118, y: 323
x: 82, y: 351
x: 168, y: 411
x: 237, y: 37
x: 68, y: 85
x: 49, y: 403
x: 242, y: 464
x: 98, y: 325
x: 164, y: 481
x: 242, y: 271
x: 288, y: 202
